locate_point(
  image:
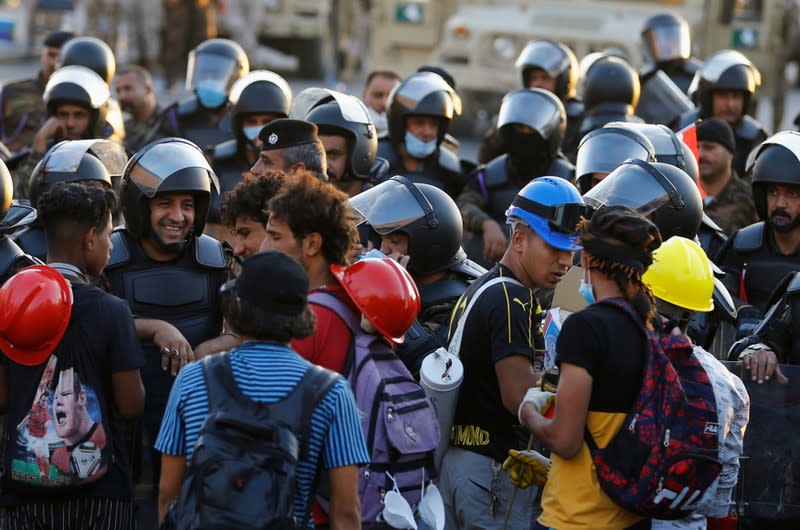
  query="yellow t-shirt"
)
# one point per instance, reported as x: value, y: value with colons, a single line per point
x: 572, y: 498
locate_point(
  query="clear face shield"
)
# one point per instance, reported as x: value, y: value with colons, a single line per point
x: 544, y: 55
x: 667, y: 43
x: 645, y: 190
x: 210, y: 77
x: 66, y: 157
x: 164, y: 159
x: 391, y: 205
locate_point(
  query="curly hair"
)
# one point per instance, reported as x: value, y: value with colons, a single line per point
x: 619, y: 242
x: 250, y: 197
x: 309, y: 205
x: 66, y: 204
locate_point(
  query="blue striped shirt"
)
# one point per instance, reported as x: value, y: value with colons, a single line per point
x: 267, y: 372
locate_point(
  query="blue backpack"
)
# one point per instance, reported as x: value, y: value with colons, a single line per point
x: 399, y: 421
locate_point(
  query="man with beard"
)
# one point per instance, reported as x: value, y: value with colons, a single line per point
x: 758, y: 256
x: 147, y: 121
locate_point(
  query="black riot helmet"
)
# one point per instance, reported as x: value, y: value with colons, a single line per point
x: 669, y: 148
x: 259, y: 92
x: 666, y: 37
x: 540, y: 110
x: 421, y: 94
x: 610, y: 79
x: 603, y: 150
x: 724, y: 70
x: 91, y: 53
x: 214, y: 66
x: 339, y: 114
x: 425, y: 213
x: 556, y: 59
x: 163, y: 166
x: 776, y: 161
x: 665, y: 193
x: 77, y: 161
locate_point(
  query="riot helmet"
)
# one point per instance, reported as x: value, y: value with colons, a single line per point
x: 339, y: 114
x: 610, y: 79
x: 426, y: 214
x: 776, y: 161
x: 163, y: 166
x: 666, y: 37
x: 552, y: 208
x: 603, y: 150
x: 669, y: 148
x: 259, y: 92
x: 421, y: 94
x: 214, y: 65
x: 91, y: 53
x: 665, y: 193
x: 724, y: 70
x: 556, y: 59
x: 538, y: 109
x: 6, y: 190
x: 77, y: 161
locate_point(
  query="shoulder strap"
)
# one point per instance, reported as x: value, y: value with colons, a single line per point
x: 120, y: 253
x: 455, y: 343
x: 210, y: 253
x: 750, y: 238
x: 221, y: 385
x: 321, y: 298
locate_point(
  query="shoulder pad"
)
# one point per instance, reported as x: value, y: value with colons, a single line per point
x: 750, y: 238
x: 449, y: 161
x: 561, y: 168
x: 692, y: 65
x: 574, y: 108
x: 226, y: 149
x: 379, y: 169
x: 387, y: 151
x: 750, y: 129
x: 210, y: 253
x: 688, y: 118
x: 794, y: 283
x: 437, y: 292
x: 120, y: 253
x: 709, y: 222
x: 469, y: 268
x: 495, y: 173
x: 187, y: 106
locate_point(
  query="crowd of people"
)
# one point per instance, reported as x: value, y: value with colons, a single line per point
x: 243, y: 289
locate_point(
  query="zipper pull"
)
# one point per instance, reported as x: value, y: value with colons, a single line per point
x: 389, y: 416
x: 660, y: 485
x: 632, y: 426
x: 366, y: 472
x: 666, y: 438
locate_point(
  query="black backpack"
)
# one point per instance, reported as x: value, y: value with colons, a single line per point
x: 243, y: 470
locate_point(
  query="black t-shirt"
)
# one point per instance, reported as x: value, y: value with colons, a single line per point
x: 60, y: 429
x: 609, y: 345
x: 505, y: 321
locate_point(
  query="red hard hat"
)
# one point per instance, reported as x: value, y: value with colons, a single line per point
x: 384, y: 292
x: 35, y: 307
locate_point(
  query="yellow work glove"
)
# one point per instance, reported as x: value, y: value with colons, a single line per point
x: 526, y: 468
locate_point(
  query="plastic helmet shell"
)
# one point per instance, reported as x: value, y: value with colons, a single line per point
x: 681, y: 275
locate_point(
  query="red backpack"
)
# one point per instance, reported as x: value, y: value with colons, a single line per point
x: 665, y: 457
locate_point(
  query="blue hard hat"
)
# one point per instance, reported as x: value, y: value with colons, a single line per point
x: 551, y: 207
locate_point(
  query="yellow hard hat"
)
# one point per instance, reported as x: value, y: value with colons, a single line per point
x: 681, y: 275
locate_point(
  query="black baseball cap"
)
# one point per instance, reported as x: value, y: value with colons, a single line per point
x: 272, y: 282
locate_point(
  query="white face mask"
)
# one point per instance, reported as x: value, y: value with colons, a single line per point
x: 251, y: 133
x: 397, y: 512
x: 431, y: 508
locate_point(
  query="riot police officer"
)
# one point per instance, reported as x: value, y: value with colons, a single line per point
x: 90, y: 162
x: 91, y: 53
x: 163, y: 265
x: 420, y: 111
x: 422, y: 222
x: 758, y: 256
x: 725, y: 88
x: 551, y: 66
x: 255, y: 100
x: 603, y: 150
x: 611, y: 92
x: 667, y: 46
x: 214, y: 66
x: 531, y: 123
x: 78, y: 105
x: 346, y: 131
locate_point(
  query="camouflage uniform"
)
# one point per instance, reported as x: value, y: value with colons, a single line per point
x: 186, y: 24
x: 23, y: 112
x: 733, y: 208
x: 158, y: 126
x: 22, y: 174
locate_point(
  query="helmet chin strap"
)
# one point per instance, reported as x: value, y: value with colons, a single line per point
x: 171, y: 248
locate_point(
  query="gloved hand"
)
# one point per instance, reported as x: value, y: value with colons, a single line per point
x: 540, y: 399
x: 526, y: 467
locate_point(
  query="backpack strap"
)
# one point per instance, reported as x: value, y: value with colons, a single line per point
x: 321, y: 298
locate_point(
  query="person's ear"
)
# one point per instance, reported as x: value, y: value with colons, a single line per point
x: 312, y: 244
x: 88, y: 239
x: 296, y: 167
x: 518, y: 238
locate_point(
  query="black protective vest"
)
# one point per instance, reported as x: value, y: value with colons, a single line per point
x: 33, y: 241
x: 229, y: 165
x: 183, y: 292
x: 13, y: 258
x: 499, y: 183
x: 198, y: 125
x: 442, y: 169
x: 763, y: 268
x: 748, y: 133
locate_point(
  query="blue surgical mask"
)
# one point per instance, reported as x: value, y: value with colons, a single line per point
x: 251, y: 133
x: 586, y: 291
x: 417, y: 148
x: 211, y: 97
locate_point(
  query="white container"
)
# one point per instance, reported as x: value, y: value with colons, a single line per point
x: 441, y: 375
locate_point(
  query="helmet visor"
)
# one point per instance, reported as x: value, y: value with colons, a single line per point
x: 720, y: 62
x: 603, y: 153
x: 210, y: 70
x: 163, y: 159
x: 65, y: 157
x: 390, y: 205
x: 89, y: 81
x: 545, y: 55
x: 643, y: 188
x: 667, y: 43
x: 530, y: 108
x: 415, y: 88
x: 259, y: 76
x: 352, y: 109
x: 788, y: 139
